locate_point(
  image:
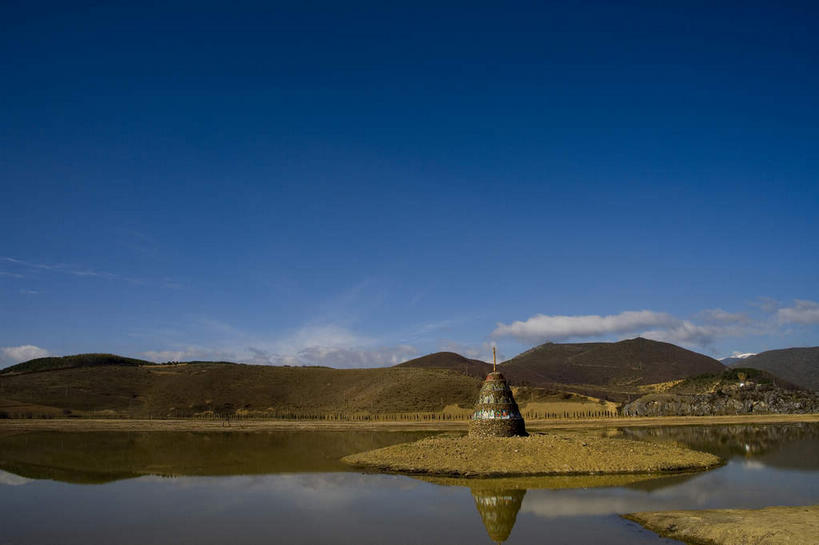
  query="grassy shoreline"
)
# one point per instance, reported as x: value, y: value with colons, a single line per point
x: 82, y: 424
x: 777, y: 524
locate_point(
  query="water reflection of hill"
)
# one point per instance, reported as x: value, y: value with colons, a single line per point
x: 107, y: 456
x: 786, y: 446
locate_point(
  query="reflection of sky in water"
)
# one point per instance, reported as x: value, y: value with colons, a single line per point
x: 737, y: 485
x: 363, y: 509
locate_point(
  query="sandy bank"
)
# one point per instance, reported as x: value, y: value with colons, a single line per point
x: 768, y: 526
x: 88, y: 424
x: 565, y: 453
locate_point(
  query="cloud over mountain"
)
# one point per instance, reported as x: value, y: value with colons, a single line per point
x: 542, y: 327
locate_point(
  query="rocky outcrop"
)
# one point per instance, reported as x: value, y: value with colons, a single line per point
x: 749, y: 398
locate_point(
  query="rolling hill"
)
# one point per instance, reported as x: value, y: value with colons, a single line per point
x: 451, y: 361
x: 612, y: 371
x: 190, y: 389
x: 623, y: 364
x: 797, y: 365
x: 53, y: 363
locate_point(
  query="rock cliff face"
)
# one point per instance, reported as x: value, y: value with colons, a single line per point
x: 749, y: 398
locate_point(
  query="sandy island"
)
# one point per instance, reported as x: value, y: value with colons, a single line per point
x: 768, y: 526
x: 564, y: 453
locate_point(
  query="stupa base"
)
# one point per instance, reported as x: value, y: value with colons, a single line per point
x: 487, y: 427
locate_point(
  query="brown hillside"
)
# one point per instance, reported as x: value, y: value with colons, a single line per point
x: 184, y: 390
x: 797, y: 365
x: 625, y: 363
x: 451, y: 361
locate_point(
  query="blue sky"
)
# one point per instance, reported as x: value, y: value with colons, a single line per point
x: 356, y: 184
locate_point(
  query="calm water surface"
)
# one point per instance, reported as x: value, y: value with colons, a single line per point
x: 288, y: 487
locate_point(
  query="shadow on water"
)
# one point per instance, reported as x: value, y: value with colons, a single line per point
x: 100, y: 457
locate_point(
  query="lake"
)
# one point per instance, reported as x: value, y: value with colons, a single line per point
x: 288, y: 487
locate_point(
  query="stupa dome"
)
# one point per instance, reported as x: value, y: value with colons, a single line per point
x: 496, y: 414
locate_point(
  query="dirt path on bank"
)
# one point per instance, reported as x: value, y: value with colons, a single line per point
x: 82, y: 424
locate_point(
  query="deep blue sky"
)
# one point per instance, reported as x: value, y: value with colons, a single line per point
x: 354, y: 184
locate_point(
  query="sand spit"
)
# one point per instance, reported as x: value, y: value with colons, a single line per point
x: 768, y: 526
x: 564, y: 453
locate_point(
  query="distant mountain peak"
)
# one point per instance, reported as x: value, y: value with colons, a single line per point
x: 736, y: 358
x: 739, y: 355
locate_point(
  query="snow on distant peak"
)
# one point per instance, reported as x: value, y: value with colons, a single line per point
x: 738, y: 356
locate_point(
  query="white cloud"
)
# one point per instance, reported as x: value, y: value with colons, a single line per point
x: 802, y: 312
x: 15, y: 354
x: 715, y: 324
x: 542, y: 328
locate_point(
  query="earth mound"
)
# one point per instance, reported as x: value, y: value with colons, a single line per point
x: 568, y: 453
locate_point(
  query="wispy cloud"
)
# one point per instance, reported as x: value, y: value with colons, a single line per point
x: 766, y: 304
x: 31, y: 268
x: 717, y: 315
x: 802, y: 312
x: 61, y: 268
x: 310, y: 345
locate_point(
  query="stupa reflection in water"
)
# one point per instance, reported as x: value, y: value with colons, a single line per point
x: 499, y: 510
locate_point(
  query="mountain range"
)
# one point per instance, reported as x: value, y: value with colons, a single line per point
x: 612, y: 370
x: 616, y: 371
